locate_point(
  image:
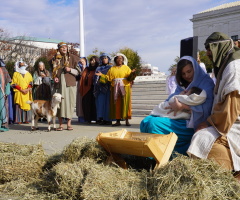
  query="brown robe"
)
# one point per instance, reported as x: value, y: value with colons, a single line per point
x: 69, y: 78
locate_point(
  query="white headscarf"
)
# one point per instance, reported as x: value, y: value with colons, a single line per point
x: 125, y: 60
x: 22, y: 69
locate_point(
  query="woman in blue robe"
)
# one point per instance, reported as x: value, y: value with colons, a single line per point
x: 189, y: 74
x: 4, y: 92
x: 102, y: 92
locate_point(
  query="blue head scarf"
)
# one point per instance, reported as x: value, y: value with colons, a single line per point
x: 80, y: 65
x: 202, y: 80
x: 2, y: 64
x: 102, y: 56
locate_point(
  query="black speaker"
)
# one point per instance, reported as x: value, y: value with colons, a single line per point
x: 189, y: 47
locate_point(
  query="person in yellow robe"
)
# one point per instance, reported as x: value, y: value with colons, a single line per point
x: 120, y: 76
x: 22, y: 87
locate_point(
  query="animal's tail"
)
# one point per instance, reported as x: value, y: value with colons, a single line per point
x: 29, y: 102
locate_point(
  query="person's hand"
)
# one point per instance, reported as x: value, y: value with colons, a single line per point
x: 43, y: 75
x: 67, y: 69
x: 183, y: 92
x: 25, y: 91
x: 174, y: 106
x: 56, y: 80
x: 133, y: 70
x: 202, y: 126
x: 98, y: 73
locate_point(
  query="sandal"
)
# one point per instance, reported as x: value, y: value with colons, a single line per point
x: 128, y: 124
x: 117, y: 124
x: 69, y: 128
x: 59, y: 128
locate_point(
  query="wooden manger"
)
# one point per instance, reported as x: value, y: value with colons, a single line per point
x: 158, y: 146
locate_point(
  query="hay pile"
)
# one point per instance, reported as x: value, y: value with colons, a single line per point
x: 86, y: 179
x: 84, y: 148
x: 185, y: 178
x: 20, y: 161
x: 25, y: 190
x: 79, y: 173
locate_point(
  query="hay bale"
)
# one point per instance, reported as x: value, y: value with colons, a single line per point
x: 84, y: 148
x: 52, y: 160
x: 86, y: 179
x: 185, y: 178
x: 65, y: 179
x: 110, y: 183
x: 20, y: 161
x: 24, y: 190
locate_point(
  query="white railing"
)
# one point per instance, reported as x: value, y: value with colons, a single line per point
x: 150, y: 78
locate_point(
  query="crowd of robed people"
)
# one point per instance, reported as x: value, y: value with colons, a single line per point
x: 101, y: 92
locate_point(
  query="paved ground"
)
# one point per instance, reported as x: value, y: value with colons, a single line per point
x: 55, y: 141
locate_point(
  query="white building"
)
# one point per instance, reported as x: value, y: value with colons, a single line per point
x: 224, y: 18
x: 42, y: 43
x: 149, y: 70
x: 28, y: 48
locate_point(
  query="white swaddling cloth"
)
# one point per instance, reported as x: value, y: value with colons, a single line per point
x: 191, y: 100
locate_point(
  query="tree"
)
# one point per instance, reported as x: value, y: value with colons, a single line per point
x: 45, y: 61
x: 208, y: 63
x: 72, y: 48
x: 10, y: 67
x: 175, y: 64
x: 134, y: 60
x: 95, y: 52
x: 12, y: 49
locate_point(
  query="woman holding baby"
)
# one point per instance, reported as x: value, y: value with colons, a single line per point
x: 189, y: 74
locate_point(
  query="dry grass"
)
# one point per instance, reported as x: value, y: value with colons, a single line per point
x: 189, y: 179
x: 79, y: 173
x: 24, y: 190
x: 87, y: 179
x: 110, y: 183
x: 83, y: 148
x: 20, y: 161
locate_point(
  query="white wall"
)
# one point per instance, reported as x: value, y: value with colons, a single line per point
x: 225, y: 20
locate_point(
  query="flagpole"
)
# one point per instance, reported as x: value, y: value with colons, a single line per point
x: 81, y: 26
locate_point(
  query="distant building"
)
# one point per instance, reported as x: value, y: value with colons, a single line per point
x: 28, y: 48
x: 42, y: 43
x: 148, y: 70
x: 224, y: 18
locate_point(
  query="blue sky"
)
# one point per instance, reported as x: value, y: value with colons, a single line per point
x: 153, y: 28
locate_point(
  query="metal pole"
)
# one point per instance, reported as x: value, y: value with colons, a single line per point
x: 81, y: 26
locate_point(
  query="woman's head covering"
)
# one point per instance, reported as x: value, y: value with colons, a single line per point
x: 204, y: 82
x: 198, y: 72
x: 46, y: 72
x: 2, y: 64
x: 125, y: 60
x: 21, y: 66
x: 85, y: 60
x: 81, y: 67
x: 103, y: 55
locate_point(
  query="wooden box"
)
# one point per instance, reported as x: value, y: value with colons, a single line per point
x: 158, y: 146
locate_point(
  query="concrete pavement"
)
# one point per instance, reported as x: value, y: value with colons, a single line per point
x: 55, y: 141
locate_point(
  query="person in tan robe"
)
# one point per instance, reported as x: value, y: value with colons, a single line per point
x: 219, y: 137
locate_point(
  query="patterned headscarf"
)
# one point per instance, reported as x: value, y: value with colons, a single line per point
x: 223, y: 52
